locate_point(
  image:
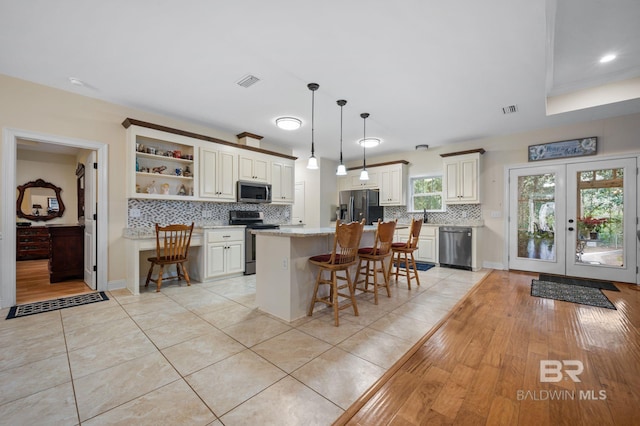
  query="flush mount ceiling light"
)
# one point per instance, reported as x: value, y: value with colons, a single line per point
x: 313, y: 161
x: 364, y: 174
x: 369, y: 142
x: 342, y: 170
x: 76, y: 81
x: 288, y: 123
x: 607, y: 58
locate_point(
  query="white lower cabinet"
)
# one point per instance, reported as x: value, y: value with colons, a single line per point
x: 223, y: 252
x: 427, y: 243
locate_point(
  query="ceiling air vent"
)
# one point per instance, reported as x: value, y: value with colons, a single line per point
x: 247, y: 81
x: 510, y: 109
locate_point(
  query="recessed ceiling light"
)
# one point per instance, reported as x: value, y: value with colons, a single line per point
x: 369, y: 142
x: 76, y: 81
x: 607, y: 58
x: 288, y: 123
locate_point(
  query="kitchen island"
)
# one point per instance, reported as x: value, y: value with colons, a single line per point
x: 284, y: 276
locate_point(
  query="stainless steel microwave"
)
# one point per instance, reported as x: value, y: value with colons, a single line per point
x: 254, y: 192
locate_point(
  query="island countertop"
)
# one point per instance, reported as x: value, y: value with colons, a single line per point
x: 304, y: 232
x: 311, y: 232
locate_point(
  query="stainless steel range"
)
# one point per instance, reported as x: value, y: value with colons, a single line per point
x: 252, y: 220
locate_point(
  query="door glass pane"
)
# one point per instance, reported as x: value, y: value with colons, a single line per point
x: 536, y: 217
x: 599, y: 240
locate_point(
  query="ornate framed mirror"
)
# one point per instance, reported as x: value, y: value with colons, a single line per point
x: 39, y: 201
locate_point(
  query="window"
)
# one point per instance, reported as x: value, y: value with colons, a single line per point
x: 426, y: 193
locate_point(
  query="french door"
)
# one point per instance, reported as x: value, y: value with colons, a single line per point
x: 577, y: 219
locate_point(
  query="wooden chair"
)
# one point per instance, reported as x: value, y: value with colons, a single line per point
x: 342, y: 257
x: 172, y: 247
x: 369, y: 257
x: 407, y: 267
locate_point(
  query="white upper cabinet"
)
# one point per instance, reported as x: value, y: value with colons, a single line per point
x: 462, y: 178
x: 282, y: 181
x: 354, y: 181
x: 392, y: 180
x: 160, y: 165
x: 218, y: 174
x: 254, y: 167
x: 171, y: 164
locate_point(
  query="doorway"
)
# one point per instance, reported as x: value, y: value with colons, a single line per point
x: 572, y: 219
x: 8, y: 242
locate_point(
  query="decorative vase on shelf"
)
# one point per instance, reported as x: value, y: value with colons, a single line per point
x: 593, y: 235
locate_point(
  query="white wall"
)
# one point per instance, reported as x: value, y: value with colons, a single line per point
x: 36, y: 108
x: 29, y: 106
x: 615, y: 136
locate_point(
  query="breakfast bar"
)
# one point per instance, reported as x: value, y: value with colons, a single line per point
x: 284, y: 276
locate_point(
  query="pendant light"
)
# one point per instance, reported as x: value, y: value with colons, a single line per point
x: 313, y: 161
x: 342, y: 170
x: 364, y: 174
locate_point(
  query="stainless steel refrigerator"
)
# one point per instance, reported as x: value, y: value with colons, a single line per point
x: 362, y: 203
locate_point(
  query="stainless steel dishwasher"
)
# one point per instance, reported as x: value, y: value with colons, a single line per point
x: 455, y: 247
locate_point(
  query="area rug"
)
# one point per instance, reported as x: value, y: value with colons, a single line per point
x: 421, y: 266
x: 570, y: 293
x: 54, y: 305
x: 602, y: 285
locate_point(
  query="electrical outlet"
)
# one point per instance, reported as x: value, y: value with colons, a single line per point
x: 206, y: 214
x: 285, y: 263
x: 464, y: 214
x: 496, y: 213
x: 134, y: 213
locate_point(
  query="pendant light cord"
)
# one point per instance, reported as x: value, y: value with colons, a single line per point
x: 313, y: 97
x: 364, y: 139
x: 341, y: 131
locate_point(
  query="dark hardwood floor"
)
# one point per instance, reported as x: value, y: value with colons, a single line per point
x: 482, y: 364
x: 32, y: 283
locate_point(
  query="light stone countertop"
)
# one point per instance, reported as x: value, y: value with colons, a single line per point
x: 311, y: 232
x: 146, y: 233
x: 304, y: 232
x: 466, y: 224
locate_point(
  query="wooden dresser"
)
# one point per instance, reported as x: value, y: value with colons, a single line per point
x: 67, y: 252
x: 32, y: 242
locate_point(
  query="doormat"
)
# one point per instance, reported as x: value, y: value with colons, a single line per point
x: 54, y: 305
x: 602, y: 285
x: 421, y: 266
x: 570, y: 293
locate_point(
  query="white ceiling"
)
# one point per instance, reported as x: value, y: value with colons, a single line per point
x: 428, y: 72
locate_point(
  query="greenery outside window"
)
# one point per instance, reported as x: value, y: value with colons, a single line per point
x: 426, y: 193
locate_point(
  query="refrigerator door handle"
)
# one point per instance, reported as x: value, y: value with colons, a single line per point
x: 351, y: 211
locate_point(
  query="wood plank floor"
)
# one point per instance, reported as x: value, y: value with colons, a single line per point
x: 32, y: 283
x: 482, y: 365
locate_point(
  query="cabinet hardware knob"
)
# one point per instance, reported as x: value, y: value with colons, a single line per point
x: 570, y: 228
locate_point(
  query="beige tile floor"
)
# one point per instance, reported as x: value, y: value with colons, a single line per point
x: 205, y: 355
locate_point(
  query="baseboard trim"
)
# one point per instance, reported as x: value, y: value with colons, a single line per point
x: 116, y: 285
x: 494, y: 265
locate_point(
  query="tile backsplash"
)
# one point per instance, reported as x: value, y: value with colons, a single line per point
x: 456, y: 213
x: 202, y: 213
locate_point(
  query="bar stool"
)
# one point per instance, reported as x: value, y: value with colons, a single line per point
x: 369, y: 257
x: 406, y: 268
x: 342, y: 257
